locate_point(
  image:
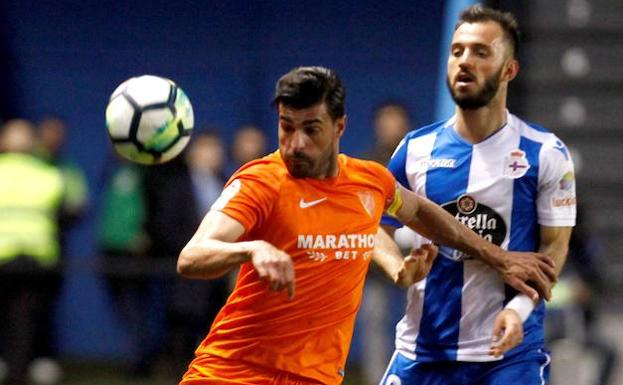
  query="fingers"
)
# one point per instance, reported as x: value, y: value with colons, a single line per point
x: 543, y: 285
x: 276, y: 268
x: 524, y: 288
x: 507, y: 333
x: 290, y: 288
x: 549, y: 271
x: 548, y: 260
x: 431, y: 250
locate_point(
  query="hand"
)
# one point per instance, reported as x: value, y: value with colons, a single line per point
x: 507, y: 332
x: 535, y: 268
x: 416, y: 266
x: 273, y: 266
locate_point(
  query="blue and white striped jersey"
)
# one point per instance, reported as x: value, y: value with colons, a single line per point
x: 503, y: 188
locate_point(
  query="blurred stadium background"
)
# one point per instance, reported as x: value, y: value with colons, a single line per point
x: 65, y: 58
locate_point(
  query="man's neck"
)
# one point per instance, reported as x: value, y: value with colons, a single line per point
x: 477, y: 125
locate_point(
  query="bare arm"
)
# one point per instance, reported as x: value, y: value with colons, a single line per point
x: 436, y: 224
x: 555, y: 242
x: 386, y: 254
x: 508, y: 328
x: 402, y: 271
x: 214, y: 250
x: 211, y: 252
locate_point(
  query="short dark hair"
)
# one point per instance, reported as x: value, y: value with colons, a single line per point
x: 304, y: 87
x: 479, y: 13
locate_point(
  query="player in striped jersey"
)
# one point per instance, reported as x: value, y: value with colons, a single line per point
x: 510, y: 182
x: 309, y: 217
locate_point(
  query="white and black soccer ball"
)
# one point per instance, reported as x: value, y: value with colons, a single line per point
x: 149, y: 119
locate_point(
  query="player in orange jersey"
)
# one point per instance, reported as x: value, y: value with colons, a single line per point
x: 303, y: 224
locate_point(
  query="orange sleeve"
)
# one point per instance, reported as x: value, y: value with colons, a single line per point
x: 387, y: 182
x: 249, y: 196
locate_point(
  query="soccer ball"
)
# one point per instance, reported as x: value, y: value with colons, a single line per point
x: 149, y: 119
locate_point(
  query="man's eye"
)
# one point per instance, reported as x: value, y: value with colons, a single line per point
x: 311, y: 131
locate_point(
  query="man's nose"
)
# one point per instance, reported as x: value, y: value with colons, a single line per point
x: 298, y: 141
x: 466, y: 60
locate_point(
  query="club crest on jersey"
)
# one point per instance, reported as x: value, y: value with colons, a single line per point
x: 515, y: 164
x: 227, y: 194
x: 466, y: 204
x: 367, y: 201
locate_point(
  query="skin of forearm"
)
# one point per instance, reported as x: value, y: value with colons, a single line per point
x: 386, y: 254
x: 438, y: 225
x: 212, y: 258
x: 555, y: 242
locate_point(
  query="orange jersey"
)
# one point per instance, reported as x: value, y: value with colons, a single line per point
x: 328, y: 227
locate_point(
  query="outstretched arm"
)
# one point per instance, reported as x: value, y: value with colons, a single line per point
x: 516, y: 269
x: 214, y: 250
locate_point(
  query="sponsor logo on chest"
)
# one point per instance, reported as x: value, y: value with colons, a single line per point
x: 482, y: 219
x: 322, y: 247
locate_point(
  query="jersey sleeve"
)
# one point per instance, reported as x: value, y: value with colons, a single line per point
x: 396, y: 166
x: 388, y: 184
x: 556, y: 202
x: 249, y: 197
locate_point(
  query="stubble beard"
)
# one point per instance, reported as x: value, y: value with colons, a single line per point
x: 481, y: 98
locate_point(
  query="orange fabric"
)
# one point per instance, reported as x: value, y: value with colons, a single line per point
x: 213, y: 370
x: 327, y: 227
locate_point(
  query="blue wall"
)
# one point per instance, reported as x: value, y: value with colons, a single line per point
x: 69, y: 56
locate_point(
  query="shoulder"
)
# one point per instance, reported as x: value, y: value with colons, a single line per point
x: 369, y: 173
x: 550, y: 144
x: 431, y: 129
x: 271, y: 166
x: 421, y: 135
x: 36, y: 164
x: 363, y: 167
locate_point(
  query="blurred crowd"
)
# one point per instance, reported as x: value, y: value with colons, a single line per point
x: 145, y: 215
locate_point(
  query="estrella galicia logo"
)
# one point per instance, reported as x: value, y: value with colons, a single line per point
x: 482, y: 219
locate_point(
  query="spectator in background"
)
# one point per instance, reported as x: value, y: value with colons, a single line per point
x: 390, y: 123
x: 122, y: 243
x: 29, y: 244
x: 51, y: 140
x: 250, y: 143
x: 179, y: 193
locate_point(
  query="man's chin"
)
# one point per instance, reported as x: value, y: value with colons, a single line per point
x: 469, y: 102
x: 298, y: 170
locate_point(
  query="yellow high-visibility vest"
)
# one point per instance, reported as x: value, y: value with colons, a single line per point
x: 31, y: 192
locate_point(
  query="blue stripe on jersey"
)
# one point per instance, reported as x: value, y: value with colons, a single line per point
x: 441, y: 312
x: 524, y: 233
x: 524, y: 225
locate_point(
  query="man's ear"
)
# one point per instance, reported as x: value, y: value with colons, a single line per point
x: 341, y: 125
x: 512, y: 69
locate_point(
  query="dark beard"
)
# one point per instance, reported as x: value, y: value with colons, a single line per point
x: 482, y: 98
x: 301, y: 166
